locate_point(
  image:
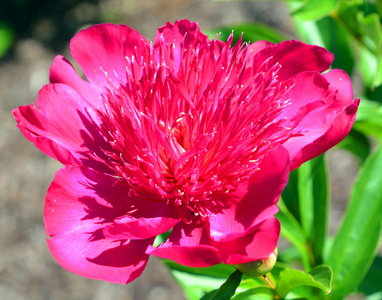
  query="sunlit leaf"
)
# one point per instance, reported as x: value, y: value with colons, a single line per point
x: 314, y: 9
x: 356, y: 243
x: 195, y: 287
x: 319, y: 277
x: 369, y: 118
x: 218, y: 271
x: 337, y: 41
x: 260, y: 292
x: 313, y: 187
x: 290, y: 228
x: 227, y: 289
x: 366, y: 29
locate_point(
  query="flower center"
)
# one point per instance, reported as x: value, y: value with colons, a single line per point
x: 186, y: 132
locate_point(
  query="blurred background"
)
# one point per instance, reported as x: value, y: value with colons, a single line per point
x: 32, y: 32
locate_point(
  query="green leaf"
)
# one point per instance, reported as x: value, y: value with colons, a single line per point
x: 337, y: 41
x: 7, y: 38
x: 371, y: 284
x: 315, y: 9
x: 356, y: 243
x: 366, y: 29
x: 376, y: 296
x: 196, y: 282
x: 194, y: 286
x: 290, y: 195
x: 259, y: 292
x: 313, y: 187
x: 261, y: 0
x: 252, y: 32
x: 369, y: 118
x: 357, y: 143
x: 309, y: 32
x: 304, y: 209
x: 290, y: 227
x: 228, y: 288
x: 319, y: 277
x: 292, y: 231
x: 218, y: 271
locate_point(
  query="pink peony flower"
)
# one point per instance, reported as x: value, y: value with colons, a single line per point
x: 189, y: 134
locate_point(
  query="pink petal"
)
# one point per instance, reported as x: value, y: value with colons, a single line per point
x: 257, y: 46
x: 258, y: 245
x: 182, y: 34
x: 101, y: 51
x: 307, y: 88
x: 189, y: 245
x: 78, y: 204
x: 128, y: 227
x: 64, y: 127
x: 294, y: 57
x: 258, y: 203
x: 321, y: 128
x: 340, y: 82
x: 62, y: 71
x: 319, y: 140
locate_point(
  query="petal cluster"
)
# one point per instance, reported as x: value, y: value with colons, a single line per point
x: 186, y: 134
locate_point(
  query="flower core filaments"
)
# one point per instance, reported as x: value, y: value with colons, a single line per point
x: 182, y: 130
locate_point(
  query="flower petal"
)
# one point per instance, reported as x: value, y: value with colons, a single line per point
x: 182, y: 35
x: 258, y: 245
x: 323, y: 127
x: 294, y: 57
x: 64, y: 127
x: 101, y: 51
x: 189, y: 245
x: 62, y: 71
x: 128, y: 227
x: 258, y: 203
x: 257, y: 46
x: 78, y: 203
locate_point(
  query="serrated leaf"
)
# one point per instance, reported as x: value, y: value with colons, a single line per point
x: 319, y: 277
x: 356, y: 243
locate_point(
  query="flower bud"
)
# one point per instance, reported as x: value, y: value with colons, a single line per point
x: 259, y: 267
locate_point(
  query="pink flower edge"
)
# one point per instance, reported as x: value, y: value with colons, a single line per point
x: 101, y: 223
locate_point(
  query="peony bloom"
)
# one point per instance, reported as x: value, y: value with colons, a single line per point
x: 186, y: 134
